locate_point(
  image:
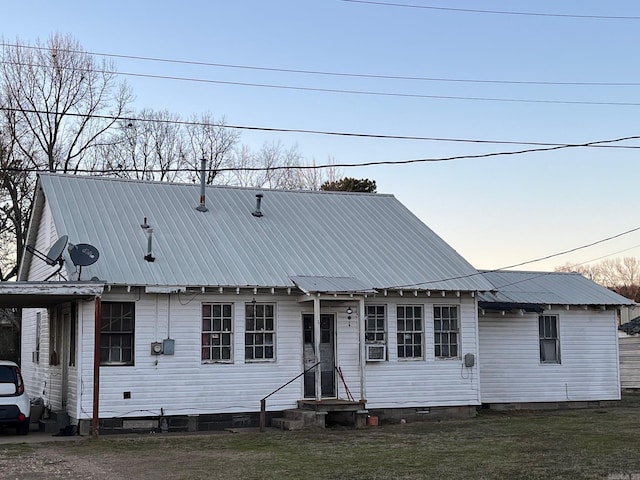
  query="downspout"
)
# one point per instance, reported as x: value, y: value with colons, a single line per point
x: 361, y: 320
x: 95, y: 421
x: 316, y: 346
x: 477, y: 362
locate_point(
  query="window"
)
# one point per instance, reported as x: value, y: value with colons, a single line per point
x: 117, y: 333
x: 260, y: 333
x: 409, y: 331
x: 36, y: 355
x: 217, y: 332
x: 446, y: 331
x: 375, y: 326
x: 73, y: 334
x: 549, y: 342
x: 55, y: 337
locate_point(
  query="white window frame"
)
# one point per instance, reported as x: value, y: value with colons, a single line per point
x: 376, y: 317
x: 260, y: 336
x: 410, y: 338
x: 442, y: 337
x: 548, y: 333
x: 217, y: 332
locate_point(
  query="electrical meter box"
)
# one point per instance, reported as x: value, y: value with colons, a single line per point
x: 469, y: 360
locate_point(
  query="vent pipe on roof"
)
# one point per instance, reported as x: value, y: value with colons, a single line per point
x: 203, y: 180
x: 149, y: 256
x: 257, y: 212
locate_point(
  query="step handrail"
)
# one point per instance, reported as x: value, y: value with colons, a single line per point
x: 263, y: 401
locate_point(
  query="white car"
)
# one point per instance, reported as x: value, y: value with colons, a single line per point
x: 15, y: 406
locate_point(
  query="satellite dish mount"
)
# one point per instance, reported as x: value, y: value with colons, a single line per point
x: 83, y: 255
x: 53, y: 256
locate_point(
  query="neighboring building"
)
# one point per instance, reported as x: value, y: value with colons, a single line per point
x: 182, y: 307
x: 629, y: 345
x: 548, y: 338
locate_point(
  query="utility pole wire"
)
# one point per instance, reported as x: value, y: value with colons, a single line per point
x: 334, y: 73
x: 595, y: 144
x: 515, y: 265
x: 359, y: 92
x: 496, y: 12
x: 352, y: 165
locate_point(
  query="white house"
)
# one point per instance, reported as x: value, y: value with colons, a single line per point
x: 190, y: 305
x: 156, y: 305
x: 548, y: 338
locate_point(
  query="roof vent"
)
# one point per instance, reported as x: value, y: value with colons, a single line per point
x: 149, y: 256
x: 203, y: 180
x: 257, y: 212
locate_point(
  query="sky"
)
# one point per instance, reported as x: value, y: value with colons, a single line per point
x: 539, y: 72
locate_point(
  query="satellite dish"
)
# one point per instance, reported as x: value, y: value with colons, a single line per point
x: 54, y: 256
x: 83, y: 254
x: 55, y: 252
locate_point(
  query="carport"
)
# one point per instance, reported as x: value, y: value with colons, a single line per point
x: 51, y: 294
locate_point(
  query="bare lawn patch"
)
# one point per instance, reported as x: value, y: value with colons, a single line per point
x: 565, y: 444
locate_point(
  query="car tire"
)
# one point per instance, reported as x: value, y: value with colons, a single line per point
x: 23, y: 428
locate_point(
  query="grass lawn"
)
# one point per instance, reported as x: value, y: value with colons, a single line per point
x: 566, y: 444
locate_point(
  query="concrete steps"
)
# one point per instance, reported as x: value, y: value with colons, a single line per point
x: 299, y: 419
x: 57, y: 422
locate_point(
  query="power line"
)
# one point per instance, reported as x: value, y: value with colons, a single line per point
x: 357, y: 92
x: 496, y: 12
x: 545, y: 146
x: 515, y: 265
x: 334, y: 73
x: 348, y: 165
x: 562, y: 271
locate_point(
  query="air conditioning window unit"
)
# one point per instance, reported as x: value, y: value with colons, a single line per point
x: 376, y: 352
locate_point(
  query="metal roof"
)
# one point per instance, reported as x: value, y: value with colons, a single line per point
x: 549, y: 288
x: 369, y: 237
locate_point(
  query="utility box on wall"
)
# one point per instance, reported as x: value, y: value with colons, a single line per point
x: 168, y: 346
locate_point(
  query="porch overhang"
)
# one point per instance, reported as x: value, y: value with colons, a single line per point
x: 45, y: 294
x: 337, y: 287
x: 509, y: 306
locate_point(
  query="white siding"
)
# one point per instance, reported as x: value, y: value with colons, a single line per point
x: 35, y: 373
x: 41, y: 379
x: 428, y: 382
x: 181, y: 384
x: 510, y: 365
x: 46, y: 237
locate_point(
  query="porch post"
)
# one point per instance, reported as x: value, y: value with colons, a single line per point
x: 96, y: 368
x: 316, y: 346
x: 363, y: 357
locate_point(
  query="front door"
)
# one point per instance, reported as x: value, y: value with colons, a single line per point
x: 327, y: 356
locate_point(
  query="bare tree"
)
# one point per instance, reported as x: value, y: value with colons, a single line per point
x: 208, y: 139
x: 62, y: 98
x: 622, y: 275
x: 147, y: 148
x: 57, y: 103
x: 16, y: 194
x: 276, y: 166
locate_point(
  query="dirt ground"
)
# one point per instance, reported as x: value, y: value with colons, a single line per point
x: 43, y: 461
x: 41, y: 456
